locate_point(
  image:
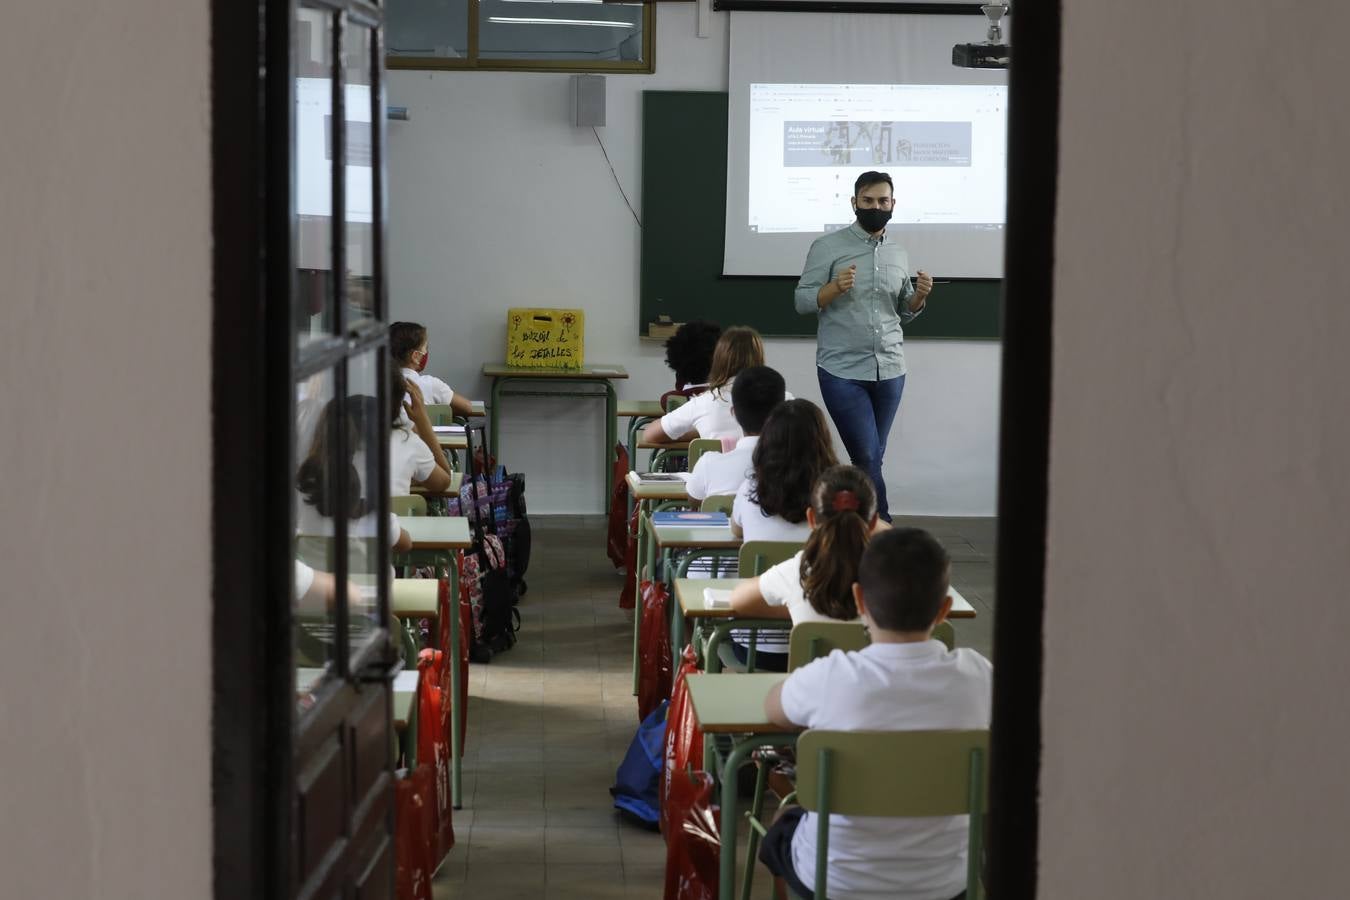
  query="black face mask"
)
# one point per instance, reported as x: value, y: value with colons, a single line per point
x: 873, y: 220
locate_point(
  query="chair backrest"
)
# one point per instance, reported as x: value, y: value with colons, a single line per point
x: 854, y: 773
x: 440, y: 414
x: 700, y: 446
x: 673, y: 399
x: 718, y: 503
x: 812, y: 640
x: 757, y: 557
x: 945, y: 632
x: 408, y: 505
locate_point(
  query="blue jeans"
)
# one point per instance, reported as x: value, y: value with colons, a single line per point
x: 864, y: 411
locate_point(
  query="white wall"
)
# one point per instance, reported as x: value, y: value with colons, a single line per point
x: 105, y: 658
x: 496, y: 200
x: 1196, y: 617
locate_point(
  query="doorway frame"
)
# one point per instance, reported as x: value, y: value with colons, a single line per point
x: 251, y: 721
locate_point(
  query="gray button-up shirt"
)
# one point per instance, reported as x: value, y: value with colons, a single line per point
x: 860, y: 334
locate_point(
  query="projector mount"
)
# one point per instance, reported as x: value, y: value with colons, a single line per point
x: 993, y: 53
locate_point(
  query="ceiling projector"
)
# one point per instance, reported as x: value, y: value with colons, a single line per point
x: 993, y: 53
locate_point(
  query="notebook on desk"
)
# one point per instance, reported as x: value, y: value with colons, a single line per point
x: 691, y: 518
x: 448, y: 429
x: 663, y: 477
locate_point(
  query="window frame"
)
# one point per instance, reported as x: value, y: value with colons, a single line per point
x: 471, y: 61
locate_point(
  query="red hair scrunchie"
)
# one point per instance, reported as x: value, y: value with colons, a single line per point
x: 845, y: 500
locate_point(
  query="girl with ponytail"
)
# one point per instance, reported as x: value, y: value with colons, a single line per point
x: 817, y: 583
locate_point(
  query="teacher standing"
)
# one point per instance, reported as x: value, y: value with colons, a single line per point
x: 858, y: 281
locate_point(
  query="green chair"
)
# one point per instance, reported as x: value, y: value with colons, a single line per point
x: 757, y: 557
x: 700, y: 446
x: 945, y: 632
x: 854, y: 773
x: 718, y: 503
x: 440, y: 414
x: 408, y: 505
x: 812, y: 640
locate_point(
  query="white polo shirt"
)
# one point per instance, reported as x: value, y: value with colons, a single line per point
x: 708, y: 413
x: 433, y: 389
x: 755, y: 526
x: 410, y: 460
x: 781, y: 585
x: 718, y: 473
x: 890, y: 687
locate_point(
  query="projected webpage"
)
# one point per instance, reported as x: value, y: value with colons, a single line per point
x: 314, y: 149
x: 943, y: 145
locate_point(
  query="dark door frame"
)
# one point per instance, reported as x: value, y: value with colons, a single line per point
x: 251, y: 720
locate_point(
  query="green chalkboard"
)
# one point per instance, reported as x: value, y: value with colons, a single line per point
x: 684, y: 187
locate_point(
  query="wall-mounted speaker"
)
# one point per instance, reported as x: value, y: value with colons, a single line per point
x: 588, y: 100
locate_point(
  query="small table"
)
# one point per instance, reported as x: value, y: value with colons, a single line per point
x: 734, y: 704
x: 446, y: 533
x: 647, y: 495
x: 572, y: 379
x: 644, y: 409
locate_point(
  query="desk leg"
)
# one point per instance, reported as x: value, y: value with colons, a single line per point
x: 456, y: 737
x: 494, y: 411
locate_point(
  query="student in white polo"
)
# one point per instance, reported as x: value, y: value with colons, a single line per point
x: 903, y: 681
x: 754, y: 394
x: 708, y: 415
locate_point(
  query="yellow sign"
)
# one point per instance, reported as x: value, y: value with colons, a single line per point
x: 546, y: 338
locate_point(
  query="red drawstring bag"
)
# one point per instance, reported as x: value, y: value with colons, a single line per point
x: 653, y: 648
x: 415, y: 834
x: 626, y: 598
x: 684, y: 739
x: 617, y: 544
x: 693, y: 843
x: 433, y: 743
x: 465, y: 642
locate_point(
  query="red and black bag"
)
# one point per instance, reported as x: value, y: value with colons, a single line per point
x: 415, y: 848
x: 433, y: 742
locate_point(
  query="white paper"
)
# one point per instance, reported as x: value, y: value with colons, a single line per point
x: 717, y: 598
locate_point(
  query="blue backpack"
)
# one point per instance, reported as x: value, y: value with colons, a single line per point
x: 637, y: 783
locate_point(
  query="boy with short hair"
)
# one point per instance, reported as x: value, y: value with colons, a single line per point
x: 904, y: 681
x: 754, y: 394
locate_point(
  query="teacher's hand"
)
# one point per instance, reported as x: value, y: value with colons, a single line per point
x: 844, y: 279
x: 923, y: 285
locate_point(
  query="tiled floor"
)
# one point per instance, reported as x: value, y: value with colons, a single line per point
x: 550, y: 720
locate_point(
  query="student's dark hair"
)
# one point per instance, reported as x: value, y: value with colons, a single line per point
x: 794, y: 448
x: 845, y: 504
x: 689, y: 351
x: 904, y: 576
x: 397, y: 391
x: 404, y: 338
x: 755, y: 393
x: 867, y: 179
x: 738, y: 348
x: 318, y: 473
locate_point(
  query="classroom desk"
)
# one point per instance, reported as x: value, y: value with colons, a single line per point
x: 666, y: 445
x: 654, y: 541
x: 437, y: 532
x: 445, y: 533
x: 477, y: 409
x: 648, y: 495
x: 415, y: 598
x: 689, y: 603
x: 503, y: 375
x: 638, y: 413
x: 456, y: 479
x: 734, y: 704
x: 656, y: 490
x: 647, y: 409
